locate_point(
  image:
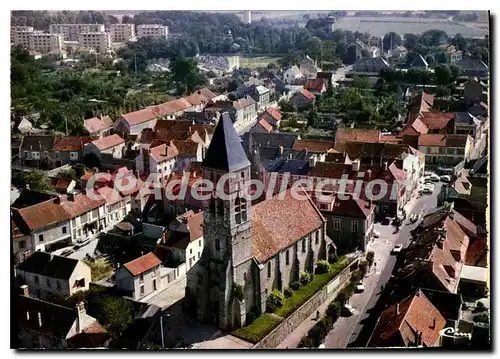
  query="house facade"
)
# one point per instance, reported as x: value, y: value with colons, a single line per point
x: 113, y: 145
x: 140, y: 277
x: 68, y: 150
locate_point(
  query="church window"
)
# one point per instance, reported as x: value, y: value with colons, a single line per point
x: 237, y: 210
x: 288, y: 257
x: 316, y: 237
x: 245, y: 277
x: 304, y: 244
x: 243, y: 208
x: 217, y: 244
x: 269, y: 269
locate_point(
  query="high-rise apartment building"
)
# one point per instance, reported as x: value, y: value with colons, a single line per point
x: 71, y: 31
x: 37, y: 40
x: 152, y: 30
x: 99, y: 41
x: 122, y: 32
x: 15, y: 29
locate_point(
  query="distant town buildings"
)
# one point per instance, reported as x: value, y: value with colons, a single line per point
x: 152, y: 30
x: 98, y: 41
x: 247, y: 17
x: 71, y: 31
x: 122, y: 32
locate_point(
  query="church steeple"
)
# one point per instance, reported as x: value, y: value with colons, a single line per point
x: 225, y: 152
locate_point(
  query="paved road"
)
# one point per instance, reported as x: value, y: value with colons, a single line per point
x: 347, y: 329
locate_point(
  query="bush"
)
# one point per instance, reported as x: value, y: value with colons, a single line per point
x: 238, y: 291
x: 356, y: 276
x: 370, y: 256
x: 294, y: 285
x: 253, y: 314
x: 274, y: 300
x: 464, y: 306
x: 322, y: 267
x: 341, y: 298
x: 305, y: 278
x: 332, y: 258
x: 288, y: 292
x: 362, y: 266
x: 333, y: 310
x: 306, y: 342
x: 480, y: 305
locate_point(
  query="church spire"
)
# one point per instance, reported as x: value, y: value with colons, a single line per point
x: 225, y: 152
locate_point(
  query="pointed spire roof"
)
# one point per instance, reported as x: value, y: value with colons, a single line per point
x: 225, y: 151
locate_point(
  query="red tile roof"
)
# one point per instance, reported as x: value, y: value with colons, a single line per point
x: 96, y: 124
x: 70, y: 143
x: 265, y: 125
x: 442, y: 140
x: 428, y: 98
x: 107, y: 142
x: 274, y: 113
x: 317, y: 84
x: 43, y: 214
x: 477, y: 253
x: 307, y: 94
x: 311, y: 145
x: 243, y: 102
x: 357, y: 134
x: 414, y: 127
x: 354, y: 208
x: 142, y: 264
x: 60, y: 183
x: 279, y: 223
x: 163, y: 152
x: 399, y: 323
x: 436, y: 121
x: 80, y: 204
x: 186, y: 148
x: 140, y: 116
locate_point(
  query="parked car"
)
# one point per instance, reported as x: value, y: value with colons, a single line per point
x: 428, y: 190
x: 413, y: 218
x: 446, y: 178
x: 397, y: 249
x: 360, y: 288
x: 321, y: 346
x: 81, y: 244
x: 67, y: 252
x: 348, y: 310
x: 435, y: 178
x: 376, y: 234
x: 428, y: 173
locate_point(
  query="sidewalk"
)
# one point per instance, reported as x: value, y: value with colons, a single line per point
x: 293, y: 339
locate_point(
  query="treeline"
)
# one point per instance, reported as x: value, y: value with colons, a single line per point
x: 42, y: 19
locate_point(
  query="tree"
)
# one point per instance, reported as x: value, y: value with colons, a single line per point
x: 114, y: 313
x: 68, y: 175
x: 410, y: 40
x: 361, y: 82
x: 391, y: 38
x: 36, y: 180
x: 443, y: 75
x: 434, y: 37
x: 185, y: 74
x: 459, y: 42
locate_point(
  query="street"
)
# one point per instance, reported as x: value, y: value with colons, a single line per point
x: 346, y: 329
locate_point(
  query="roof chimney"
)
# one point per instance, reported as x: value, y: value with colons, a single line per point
x: 25, y: 290
x: 80, y: 311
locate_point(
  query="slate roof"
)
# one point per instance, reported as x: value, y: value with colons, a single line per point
x: 225, y: 152
x: 44, y: 264
x: 97, y: 124
x: 38, y: 143
x: 279, y: 223
x: 416, y: 313
x: 419, y: 61
x: 142, y: 264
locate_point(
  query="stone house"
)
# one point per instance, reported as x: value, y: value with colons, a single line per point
x: 260, y: 248
x: 133, y: 123
x: 160, y: 159
x: 445, y: 149
x: 45, y: 274
x: 35, y: 150
x: 474, y: 91
x: 261, y: 95
x: 68, y: 150
x: 316, y: 86
x: 113, y: 145
x: 184, y: 240
x: 293, y: 75
x: 245, y: 111
x: 188, y: 151
x: 303, y: 99
x: 182, y: 203
x: 140, y: 277
x: 100, y: 126
x: 46, y: 325
x: 370, y: 65
x: 272, y: 117
x: 349, y: 223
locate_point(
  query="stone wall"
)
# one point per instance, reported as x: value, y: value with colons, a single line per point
x: 327, y: 293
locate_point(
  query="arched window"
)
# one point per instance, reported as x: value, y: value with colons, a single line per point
x: 288, y: 257
x: 243, y: 209
x: 242, y: 174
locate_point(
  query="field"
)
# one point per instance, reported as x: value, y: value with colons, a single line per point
x: 253, y: 62
x: 379, y: 26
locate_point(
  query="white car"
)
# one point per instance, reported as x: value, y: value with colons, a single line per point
x: 349, y: 309
x: 435, y: 178
x: 397, y: 249
x: 360, y: 288
x: 428, y: 190
x: 376, y: 234
x: 428, y: 173
x: 445, y: 178
x: 322, y: 346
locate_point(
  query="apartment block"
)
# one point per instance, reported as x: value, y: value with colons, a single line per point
x: 122, y: 32
x: 43, y: 42
x: 99, y: 41
x: 15, y: 29
x: 71, y: 31
x: 152, y: 30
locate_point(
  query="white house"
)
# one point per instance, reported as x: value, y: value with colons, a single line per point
x: 292, y: 75
x: 160, y: 159
x: 140, y: 277
x: 113, y: 145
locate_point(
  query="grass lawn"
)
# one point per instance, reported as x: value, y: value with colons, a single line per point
x: 301, y: 295
x: 253, y: 62
x: 261, y: 326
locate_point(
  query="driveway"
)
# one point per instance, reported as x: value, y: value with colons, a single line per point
x: 347, y: 329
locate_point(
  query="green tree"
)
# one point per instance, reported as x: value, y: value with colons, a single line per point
x: 410, y: 40
x: 185, y: 74
x: 443, y: 75
x: 391, y: 38
x: 36, y: 180
x: 68, y: 174
x: 361, y: 82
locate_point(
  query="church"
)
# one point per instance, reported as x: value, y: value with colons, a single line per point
x: 256, y: 248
